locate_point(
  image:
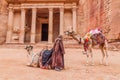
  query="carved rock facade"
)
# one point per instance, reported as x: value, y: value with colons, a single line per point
x: 87, y: 14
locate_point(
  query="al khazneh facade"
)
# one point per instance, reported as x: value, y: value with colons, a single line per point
x: 34, y: 21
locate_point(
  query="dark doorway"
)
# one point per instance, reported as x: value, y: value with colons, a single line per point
x: 44, y: 32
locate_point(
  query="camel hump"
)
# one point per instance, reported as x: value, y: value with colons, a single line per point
x: 98, y: 38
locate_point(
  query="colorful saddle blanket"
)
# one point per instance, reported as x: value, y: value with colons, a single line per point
x: 46, y: 57
x: 94, y: 36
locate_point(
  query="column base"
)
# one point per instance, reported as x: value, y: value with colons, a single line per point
x: 21, y: 42
x: 7, y: 42
x: 32, y: 42
x: 50, y: 42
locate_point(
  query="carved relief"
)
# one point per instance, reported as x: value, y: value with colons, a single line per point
x: 16, y: 32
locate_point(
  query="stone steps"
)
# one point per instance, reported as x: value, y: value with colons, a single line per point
x: 38, y: 45
x: 111, y: 46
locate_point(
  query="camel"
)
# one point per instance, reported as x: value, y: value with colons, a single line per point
x: 33, y: 57
x: 41, y: 59
x: 89, y: 43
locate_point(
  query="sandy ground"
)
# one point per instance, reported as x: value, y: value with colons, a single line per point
x: 13, y: 67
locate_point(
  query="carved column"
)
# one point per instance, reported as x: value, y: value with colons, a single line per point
x: 74, y: 18
x: 10, y: 25
x: 61, y: 20
x: 50, y: 36
x: 22, y: 29
x: 33, y: 25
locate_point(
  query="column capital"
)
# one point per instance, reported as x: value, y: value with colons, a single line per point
x: 23, y: 9
x: 34, y: 10
x: 10, y: 5
x: 61, y: 9
x: 11, y: 9
x: 74, y: 4
x: 74, y: 8
x: 50, y: 9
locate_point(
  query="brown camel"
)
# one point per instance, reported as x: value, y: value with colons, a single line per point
x: 89, y: 43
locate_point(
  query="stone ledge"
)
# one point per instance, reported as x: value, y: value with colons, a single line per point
x: 112, y: 46
x: 46, y: 1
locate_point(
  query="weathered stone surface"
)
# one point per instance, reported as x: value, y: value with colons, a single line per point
x: 3, y: 20
x: 34, y: 1
x: 99, y: 13
x: 115, y: 19
x: 90, y: 14
x: 3, y: 27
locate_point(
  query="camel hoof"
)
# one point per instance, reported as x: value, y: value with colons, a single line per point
x: 101, y: 63
x: 84, y: 53
x: 86, y: 64
x: 92, y: 64
x: 106, y: 64
x: 30, y: 65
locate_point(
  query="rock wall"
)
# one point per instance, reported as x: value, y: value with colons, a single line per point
x: 115, y: 19
x: 104, y: 14
x: 91, y: 14
x: 3, y: 20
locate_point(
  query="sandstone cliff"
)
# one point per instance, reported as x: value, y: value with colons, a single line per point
x: 115, y: 19
x: 3, y: 20
x: 91, y: 14
x: 87, y: 17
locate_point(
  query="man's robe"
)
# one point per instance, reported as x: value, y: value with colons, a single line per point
x: 58, y: 54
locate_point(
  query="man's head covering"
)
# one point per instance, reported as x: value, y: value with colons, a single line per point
x: 59, y: 37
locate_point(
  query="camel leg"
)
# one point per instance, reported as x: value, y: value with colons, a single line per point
x: 32, y: 60
x: 106, y: 56
x: 91, y: 55
x: 104, y: 50
x: 92, y: 60
x: 87, y: 61
x: 103, y: 55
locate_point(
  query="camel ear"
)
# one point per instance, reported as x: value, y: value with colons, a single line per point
x: 31, y: 47
x: 80, y: 41
x: 65, y: 32
x: 74, y: 32
x: 26, y: 47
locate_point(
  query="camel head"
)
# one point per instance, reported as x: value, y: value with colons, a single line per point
x: 70, y: 33
x: 73, y: 35
x: 29, y: 49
